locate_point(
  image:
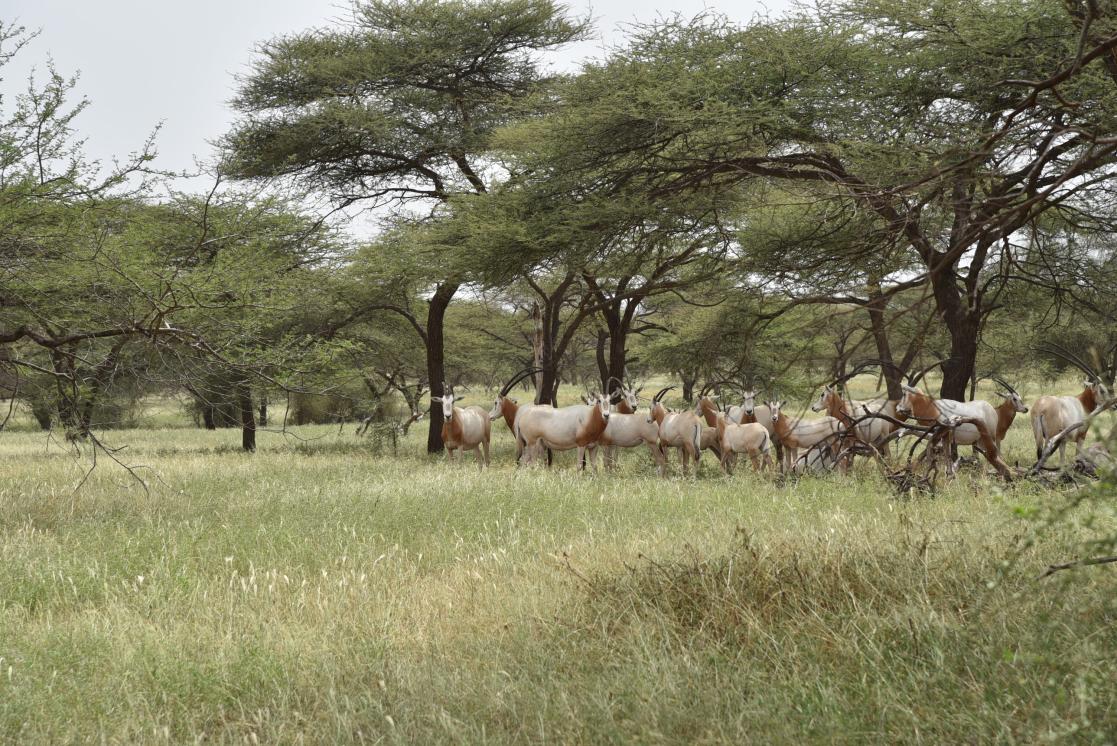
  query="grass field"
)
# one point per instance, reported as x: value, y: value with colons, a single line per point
x: 318, y: 592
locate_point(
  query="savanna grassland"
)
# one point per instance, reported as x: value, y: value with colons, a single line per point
x: 319, y: 591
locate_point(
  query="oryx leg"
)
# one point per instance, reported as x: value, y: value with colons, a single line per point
x: 485, y: 448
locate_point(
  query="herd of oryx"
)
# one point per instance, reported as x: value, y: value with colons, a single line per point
x: 610, y: 422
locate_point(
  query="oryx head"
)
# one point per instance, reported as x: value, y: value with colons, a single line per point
x: 601, y: 403
x: 907, y: 401
x: 657, y: 407
x: 748, y: 403
x: 823, y: 401
x: 502, y: 397
x: 1008, y: 393
x: 447, y: 399
x: 1017, y: 403
x: 775, y: 407
x: 625, y: 393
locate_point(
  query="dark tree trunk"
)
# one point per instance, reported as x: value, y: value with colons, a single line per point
x: 877, y: 322
x: 43, y: 412
x: 436, y: 358
x: 963, y: 325
x: 263, y: 411
x: 207, y: 416
x: 247, y: 418
x: 66, y: 406
x: 618, y: 356
x: 602, y: 361
x: 958, y: 369
x: 689, y: 380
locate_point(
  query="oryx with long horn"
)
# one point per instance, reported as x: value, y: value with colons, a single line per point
x: 507, y: 407
x: 682, y: 430
x: 800, y: 433
x: 627, y: 429
x: 871, y: 430
x: 979, y: 419
x: 465, y: 429
x: 1011, y: 405
x: 1051, y: 415
x: 565, y: 428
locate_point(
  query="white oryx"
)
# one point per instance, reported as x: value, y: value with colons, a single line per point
x: 747, y: 411
x: 927, y: 410
x: 626, y: 429
x: 562, y: 429
x: 682, y: 430
x: 751, y: 438
x: 1007, y: 410
x: 800, y: 433
x: 874, y: 431
x: 1053, y: 414
x: 464, y: 429
x: 507, y: 407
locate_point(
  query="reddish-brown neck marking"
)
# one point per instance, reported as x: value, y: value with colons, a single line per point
x: 623, y: 408
x: 658, y: 412
x: 452, y: 428
x: 1006, y: 413
x: 836, y: 407
x: 592, y: 428
x: 923, y: 407
x: 1089, y: 399
x: 709, y: 411
x: 781, y: 425
x: 508, y: 409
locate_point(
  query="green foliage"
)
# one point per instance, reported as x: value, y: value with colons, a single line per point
x: 409, y: 92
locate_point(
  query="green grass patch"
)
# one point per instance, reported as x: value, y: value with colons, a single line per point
x: 322, y: 590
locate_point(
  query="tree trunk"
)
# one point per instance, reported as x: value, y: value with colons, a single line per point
x: 964, y: 326
x: 959, y: 368
x: 263, y: 410
x: 436, y: 358
x: 884, y: 350
x: 602, y: 361
x: 207, y: 416
x: 43, y: 412
x: 689, y: 380
x: 618, y: 356
x: 247, y: 418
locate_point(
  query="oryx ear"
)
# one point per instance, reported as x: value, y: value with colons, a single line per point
x: 1003, y: 395
x: 909, y: 389
x: 436, y: 398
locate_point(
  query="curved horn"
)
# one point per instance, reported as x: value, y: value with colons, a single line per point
x: 1066, y: 355
x: 517, y: 378
x: 913, y: 380
x: 858, y: 369
x: 994, y: 377
x: 706, y: 389
x: 662, y: 391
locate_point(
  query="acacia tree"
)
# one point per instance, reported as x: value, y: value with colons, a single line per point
x: 397, y: 107
x: 953, y: 126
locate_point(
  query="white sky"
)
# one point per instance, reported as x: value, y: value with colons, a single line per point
x: 142, y: 62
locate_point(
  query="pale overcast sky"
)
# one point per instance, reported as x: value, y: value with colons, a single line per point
x: 148, y: 61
